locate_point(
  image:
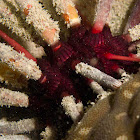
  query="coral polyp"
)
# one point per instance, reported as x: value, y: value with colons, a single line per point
x: 59, y: 71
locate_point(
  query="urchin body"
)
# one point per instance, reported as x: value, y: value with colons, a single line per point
x: 92, y: 45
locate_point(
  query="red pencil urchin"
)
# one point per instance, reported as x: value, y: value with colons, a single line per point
x: 83, y: 45
x: 111, y: 52
x: 57, y: 84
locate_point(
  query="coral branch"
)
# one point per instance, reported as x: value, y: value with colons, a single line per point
x: 96, y: 87
x: 18, y: 127
x: 102, y: 13
x: 15, y: 137
x: 18, y: 61
x: 40, y: 19
x: 9, y: 19
x: 97, y: 75
x: 48, y: 134
x: 15, y: 23
x: 13, y: 98
x: 16, y: 46
x: 70, y: 107
x: 124, y: 76
x: 67, y: 8
x: 134, y: 33
x: 134, y: 18
x: 118, y: 15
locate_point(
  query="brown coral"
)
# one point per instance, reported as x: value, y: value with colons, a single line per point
x: 114, y: 117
